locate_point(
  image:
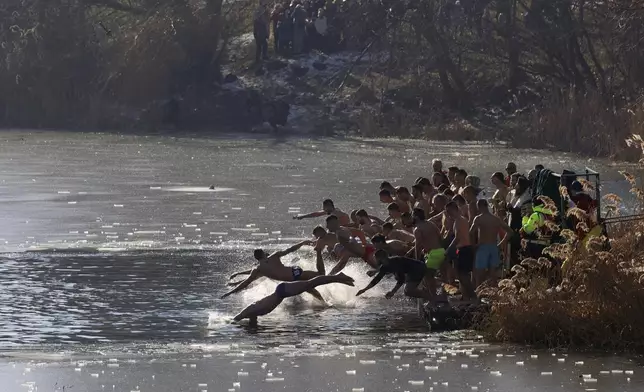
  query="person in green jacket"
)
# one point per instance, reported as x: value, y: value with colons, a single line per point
x: 535, y: 231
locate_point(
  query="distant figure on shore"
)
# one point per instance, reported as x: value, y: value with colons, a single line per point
x: 285, y: 290
x: 261, y: 32
x: 510, y: 168
x: 271, y: 266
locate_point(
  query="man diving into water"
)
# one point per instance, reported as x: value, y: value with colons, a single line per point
x: 285, y: 290
x: 347, y: 245
x: 270, y: 266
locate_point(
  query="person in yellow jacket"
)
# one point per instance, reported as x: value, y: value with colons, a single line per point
x: 535, y: 231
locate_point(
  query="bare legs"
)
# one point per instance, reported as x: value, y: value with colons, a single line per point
x: 289, y: 289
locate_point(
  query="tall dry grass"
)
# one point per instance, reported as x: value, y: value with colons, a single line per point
x: 598, y: 303
x: 583, y: 123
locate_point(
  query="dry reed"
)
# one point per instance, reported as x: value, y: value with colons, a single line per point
x: 598, y: 302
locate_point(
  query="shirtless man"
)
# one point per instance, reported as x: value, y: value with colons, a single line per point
x: 270, y: 266
x: 409, y: 272
x: 407, y: 222
x: 428, y: 247
x: 488, y: 259
x: 500, y: 196
x: 438, y: 206
x: 365, y: 223
x: 324, y: 239
x: 459, y: 181
x: 403, y: 195
x: 437, y: 166
x: 464, y: 250
x: 393, y: 247
x: 469, y: 194
x: 451, y: 173
x: 421, y: 201
x: 347, y: 246
x: 395, y: 215
x: 284, y: 290
x: 327, y: 209
x: 385, y: 185
x: 428, y: 191
x: 391, y: 233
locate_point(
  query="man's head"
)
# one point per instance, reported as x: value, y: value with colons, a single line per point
x: 459, y: 177
x: 385, y: 196
x: 514, y: 178
x: 363, y: 217
x: 387, y: 228
x: 451, y: 172
x: 449, y: 193
x: 379, y: 241
x: 328, y: 206
x: 407, y: 220
x: 385, y: 185
x: 382, y: 257
x: 439, y: 202
x: 403, y: 194
x: 319, y: 232
x: 522, y: 185
x: 259, y: 254
x: 482, y: 206
x: 498, y: 179
x: 538, y: 167
x: 511, y: 168
x: 394, y: 210
x: 332, y: 223
x: 459, y: 200
x: 418, y: 215
x: 469, y: 194
x: 452, y: 210
x: 354, y: 216
x: 417, y: 191
x: 437, y: 165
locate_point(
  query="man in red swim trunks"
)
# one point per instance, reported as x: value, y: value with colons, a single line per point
x: 347, y: 246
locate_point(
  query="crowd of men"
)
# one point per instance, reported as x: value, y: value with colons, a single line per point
x: 445, y: 226
x: 298, y: 26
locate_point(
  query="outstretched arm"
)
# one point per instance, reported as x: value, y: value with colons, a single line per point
x: 254, y: 275
x: 233, y: 276
x: 373, y: 282
x: 377, y: 220
x: 292, y: 248
x: 311, y: 215
x: 508, y: 232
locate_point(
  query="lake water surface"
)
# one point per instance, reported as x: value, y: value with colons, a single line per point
x: 115, y: 252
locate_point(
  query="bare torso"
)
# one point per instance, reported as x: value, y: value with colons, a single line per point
x: 462, y: 232
x: 488, y: 228
x: 328, y: 241
x: 397, y: 248
x: 427, y: 237
x: 273, y: 268
x: 370, y: 229
x: 343, y: 217
x: 424, y: 205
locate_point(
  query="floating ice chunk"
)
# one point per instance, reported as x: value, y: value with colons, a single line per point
x: 586, y: 376
x: 560, y: 360
x: 629, y: 372
x: 112, y: 365
x: 590, y: 380
x: 464, y: 366
x: 405, y: 365
x: 499, y: 355
x: 184, y: 365
x: 445, y: 384
x: 264, y: 365
x: 357, y: 390
x: 269, y: 374
x: 617, y: 371
x: 242, y: 374
x: 351, y: 372
x: 520, y: 363
x: 95, y: 375
x: 628, y: 379
x: 367, y: 362
x: 416, y: 383
x: 534, y: 356
x: 579, y: 363
x: 546, y: 373
x: 275, y: 379
x: 236, y: 385
x: 396, y: 356
x: 432, y: 368
x: 202, y: 385
x: 496, y: 373
x: 475, y: 388
x: 193, y: 365
x: 78, y: 369
x: 604, y: 372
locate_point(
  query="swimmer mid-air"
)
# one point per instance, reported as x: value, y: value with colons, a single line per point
x: 285, y: 290
x: 270, y: 266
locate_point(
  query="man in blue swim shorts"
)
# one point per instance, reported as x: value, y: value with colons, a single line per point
x: 486, y: 227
